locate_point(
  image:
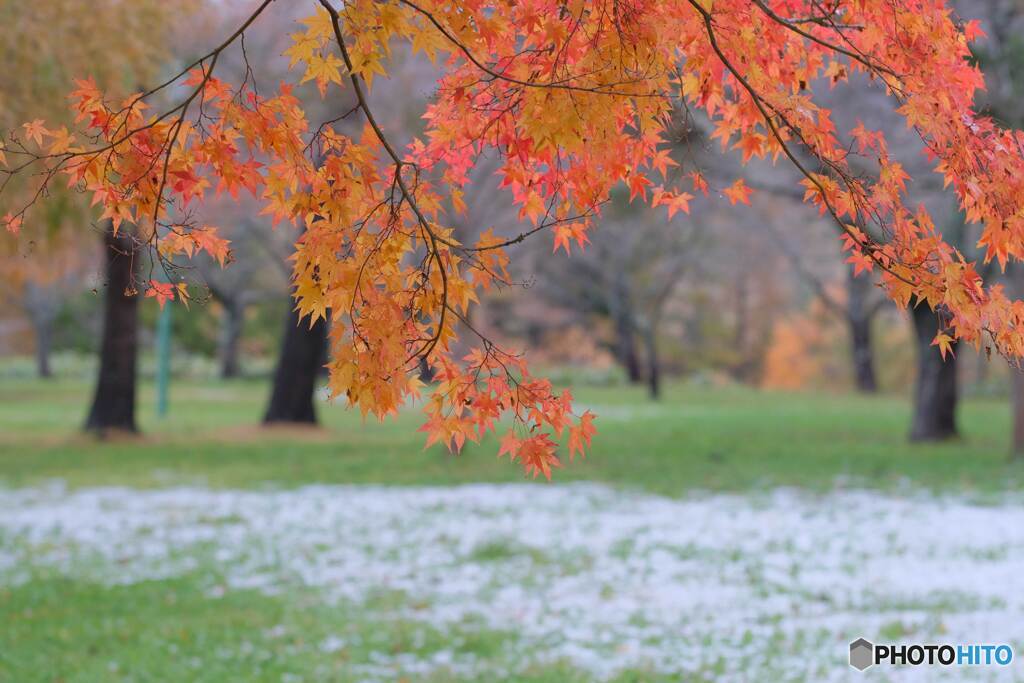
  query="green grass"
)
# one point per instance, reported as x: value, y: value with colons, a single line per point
x: 697, y: 438
x: 171, y: 630
x: 57, y: 629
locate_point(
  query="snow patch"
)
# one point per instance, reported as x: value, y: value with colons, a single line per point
x: 724, y: 586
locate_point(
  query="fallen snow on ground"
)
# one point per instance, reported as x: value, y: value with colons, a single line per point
x: 766, y: 586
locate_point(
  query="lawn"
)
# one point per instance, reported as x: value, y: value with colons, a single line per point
x: 221, y: 554
x: 717, y: 439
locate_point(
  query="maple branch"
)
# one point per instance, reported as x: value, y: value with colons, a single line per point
x: 812, y: 280
x: 557, y: 85
x: 793, y: 26
x: 213, y: 53
x: 542, y: 226
x: 867, y: 244
x: 63, y: 159
x: 399, y: 179
x: 67, y: 156
x: 173, y: 138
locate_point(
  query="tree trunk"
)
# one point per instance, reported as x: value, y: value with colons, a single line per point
x: 41, y: 304
x: 113, y: 405
x: 44, y: 344
x: 1016, y: 278
x: 230, y: 339
x: 653, y: 363
x: 935, y: 391
x: 620, y: 310
x: 302, y: 355
x: 745, y: 364
x: 859, y: 321
x: 1017, y: 389
x: 863, y: 359
x: 625, y: 349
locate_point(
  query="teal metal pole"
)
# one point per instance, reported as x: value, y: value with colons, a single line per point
x: 163, y: 358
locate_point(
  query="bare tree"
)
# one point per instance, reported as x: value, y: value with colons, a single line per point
x: 259, y: 273
x: 40, y: 300
x: 857, y: 309
x: 1001, y: 57
x: 628, y: 275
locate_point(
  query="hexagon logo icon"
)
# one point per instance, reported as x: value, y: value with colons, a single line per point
x: 862, y: 654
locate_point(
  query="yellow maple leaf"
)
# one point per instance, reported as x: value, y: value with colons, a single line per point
x: 945, y: 344
x: 318, y: 25
x: 324, y: 69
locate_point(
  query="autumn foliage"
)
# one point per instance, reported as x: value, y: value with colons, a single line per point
x: 575, y: 97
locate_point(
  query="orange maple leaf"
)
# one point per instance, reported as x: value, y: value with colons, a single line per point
x: 738, y: 192
x: 161, y: 291
x: 35, y: 130
x: 570, y: 231
x: 12, y: 223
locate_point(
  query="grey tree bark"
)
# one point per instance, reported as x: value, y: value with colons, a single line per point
x: 231, y: 338
x: 859, y: 314
x: 653, y: 362
x: 42, y: 304
x: 621, y: 311
x: 1015, y: 274
x: 936, y: 389
x: 625, y: 349
x: 1017, y: 395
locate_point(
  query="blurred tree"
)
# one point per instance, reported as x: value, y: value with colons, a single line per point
x: 857, y: 305
x: 47, y: 44
x: 936, y: 394
x: 39, y: 286
x: 804, y: 349
x: 1016, y: 277
x: 258, y: 273
x: 628, y: 275
x: 861, y: 309
x: 1001, y: 55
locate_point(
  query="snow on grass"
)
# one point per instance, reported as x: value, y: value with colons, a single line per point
x: 752, y: 587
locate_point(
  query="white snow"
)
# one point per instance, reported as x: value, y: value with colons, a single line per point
x: 766, y: 586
